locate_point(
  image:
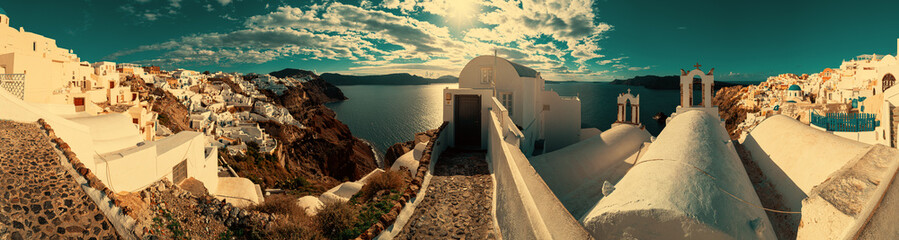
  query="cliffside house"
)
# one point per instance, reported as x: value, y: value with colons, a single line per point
x: 544, y: 120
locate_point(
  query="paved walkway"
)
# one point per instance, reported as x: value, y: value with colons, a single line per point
x: 38, y: 198
x: 458, y: 202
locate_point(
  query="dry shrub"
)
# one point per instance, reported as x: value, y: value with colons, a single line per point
x: 336, y: 220
x: 294, y: 224
x: 388, y: 180
x: 280, y: 204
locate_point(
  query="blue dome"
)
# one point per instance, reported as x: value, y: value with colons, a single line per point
x: 794, y: 87
x: 2, y: 11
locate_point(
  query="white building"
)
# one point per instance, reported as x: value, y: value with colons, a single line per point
x: 794, y: 93
x: 537, y: 114
x: 41, y: 81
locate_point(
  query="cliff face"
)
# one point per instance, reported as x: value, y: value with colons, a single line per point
x: 398, y: 149
x: 316, y: 88
x: 727, y: 99
x: 325, y: 151
x: 172, y: 114
x: 388, y: 79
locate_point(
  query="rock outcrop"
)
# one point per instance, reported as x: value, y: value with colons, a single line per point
x: 324, y: 152
x: 172, y: 114
x: 398, y: 149
x: 728, y: 101
x: 317, y: 88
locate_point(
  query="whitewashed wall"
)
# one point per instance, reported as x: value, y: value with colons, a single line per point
x: 525, y: 208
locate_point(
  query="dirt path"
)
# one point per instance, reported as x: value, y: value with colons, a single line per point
x: 458, y: 202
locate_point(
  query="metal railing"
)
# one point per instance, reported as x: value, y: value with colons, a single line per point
x: 14, y: 83
x: 845, y: 122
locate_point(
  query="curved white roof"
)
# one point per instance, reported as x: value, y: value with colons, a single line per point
x: 111, y: 132
x: 796, y: 157
x: 576, y: 173
x: 680, y: 189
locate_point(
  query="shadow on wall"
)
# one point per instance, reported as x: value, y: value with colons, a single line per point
x: 791, y: 192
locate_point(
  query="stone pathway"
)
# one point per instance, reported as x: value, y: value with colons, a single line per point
x: 38, y: 197
x: 458, y: 202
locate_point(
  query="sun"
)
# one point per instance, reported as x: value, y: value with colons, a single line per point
x: 462, y: 12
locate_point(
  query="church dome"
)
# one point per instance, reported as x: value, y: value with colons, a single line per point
x: 2, y: 11
x: 794, y: 87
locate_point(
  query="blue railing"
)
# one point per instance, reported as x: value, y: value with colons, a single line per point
x: 845, y: 122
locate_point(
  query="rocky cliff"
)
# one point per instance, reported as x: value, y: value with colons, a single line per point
x: 387, y: 79
x: 728, y: 101
x: 324, y: 152
x: 398, y: 149
x: 172, y: 114
x: 316, y: 88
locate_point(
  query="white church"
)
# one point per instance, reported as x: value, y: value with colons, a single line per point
x: 538, y: 115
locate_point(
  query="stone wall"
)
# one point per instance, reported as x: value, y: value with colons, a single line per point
x: 107, y: 200
x: 411, y: 191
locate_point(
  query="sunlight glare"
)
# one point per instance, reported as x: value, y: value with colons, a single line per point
x: 462, y: 12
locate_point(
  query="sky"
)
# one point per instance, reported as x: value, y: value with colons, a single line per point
x: 566, y: 40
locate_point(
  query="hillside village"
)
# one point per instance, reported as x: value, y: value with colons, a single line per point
x: 857, y: 90
x: 121, y: 151
x: 135, y: 136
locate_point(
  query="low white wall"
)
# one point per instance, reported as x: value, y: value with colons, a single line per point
x: 869, y: 137
x: 240, y: 192
x: 76, y: 135
x: 525, y: 208
x: 681, y: 189
x: 576, y: 173
x: 402, y: 218
x: 795, y: 157
x: 563, y: 121
x: 188, y: 146
x: 132, y: 169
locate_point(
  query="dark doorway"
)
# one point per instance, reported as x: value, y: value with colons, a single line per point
x: 467, y: 118
x: 888, y: 81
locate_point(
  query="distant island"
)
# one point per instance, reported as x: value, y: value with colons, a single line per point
x: 387, y: 79
x: 665, y: 82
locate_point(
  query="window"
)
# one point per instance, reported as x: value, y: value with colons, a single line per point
x: 486, y: 75
x: 506, y: 100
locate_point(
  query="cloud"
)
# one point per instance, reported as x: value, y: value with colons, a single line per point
x: 638, y: 68
x: 150, y: 16
x: 224, y: 2
x: 551, y: 36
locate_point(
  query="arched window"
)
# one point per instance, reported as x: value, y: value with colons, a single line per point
x: 627, y: 110
x: 888, y: 81
x: 696, y: 96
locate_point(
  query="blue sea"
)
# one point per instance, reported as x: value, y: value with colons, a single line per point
x: 387, y: 114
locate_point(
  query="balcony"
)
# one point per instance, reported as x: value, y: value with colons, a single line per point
x: 14, y: 84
